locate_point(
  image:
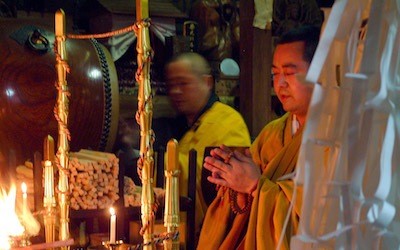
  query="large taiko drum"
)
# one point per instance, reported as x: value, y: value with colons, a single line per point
x: 28, y: 94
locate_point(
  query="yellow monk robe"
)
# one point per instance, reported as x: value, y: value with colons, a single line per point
x: 220, y: 124
x: 276, y: 152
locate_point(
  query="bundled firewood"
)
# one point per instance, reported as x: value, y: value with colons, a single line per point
x: 131, y: 193
x: 93, y: 179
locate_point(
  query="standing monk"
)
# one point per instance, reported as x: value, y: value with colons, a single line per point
x: 204, y: 121
x: 251, y: 207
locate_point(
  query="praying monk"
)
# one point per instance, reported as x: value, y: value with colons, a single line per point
x: 203, y: 120
x: 252, y: 203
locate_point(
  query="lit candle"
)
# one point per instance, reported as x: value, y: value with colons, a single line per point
x: 113, y: 220
x: 24, y: 200
x: 49, y: 182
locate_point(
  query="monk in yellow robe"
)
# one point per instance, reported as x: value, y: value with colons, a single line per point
x: 207, y: 122
x: 253, y: 201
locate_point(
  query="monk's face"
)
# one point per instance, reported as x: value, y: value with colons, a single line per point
x: 188, y: 91
x: 288, y: 61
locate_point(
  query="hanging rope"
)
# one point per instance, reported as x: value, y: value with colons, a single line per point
x: 135, y: 27
x: 160, y: 238
x: 153, y: 215
x: 104, y: 35
x: 59, y: 60
x: 153, y: 136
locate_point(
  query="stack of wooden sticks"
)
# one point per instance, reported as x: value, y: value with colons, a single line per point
x: 93, y: 179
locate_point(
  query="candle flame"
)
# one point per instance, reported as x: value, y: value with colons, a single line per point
x: 24, y: 187
x: 112, y: 211
x: 9, y: 220
x: 47, y: 163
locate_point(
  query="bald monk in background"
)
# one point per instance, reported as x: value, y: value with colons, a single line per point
x: 203, y: 120
x: 249, y: 213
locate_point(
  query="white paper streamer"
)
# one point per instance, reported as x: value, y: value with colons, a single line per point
x: 119, y: 44
x: 350, y: 145
x: 263, y: 13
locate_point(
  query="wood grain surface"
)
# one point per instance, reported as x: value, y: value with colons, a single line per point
x: 28, y: 94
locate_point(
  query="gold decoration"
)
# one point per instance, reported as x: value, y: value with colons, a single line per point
x: 171, y: 212
x: 145, y: 109
x: 49, y: 200
x: 62, y: 117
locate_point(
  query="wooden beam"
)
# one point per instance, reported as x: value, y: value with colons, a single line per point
x: 255, y: 73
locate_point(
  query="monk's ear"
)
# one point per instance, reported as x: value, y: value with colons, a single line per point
x: 208, y: 79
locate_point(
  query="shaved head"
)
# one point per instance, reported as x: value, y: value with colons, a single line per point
x: 198, y: 64
x: 189, y: 84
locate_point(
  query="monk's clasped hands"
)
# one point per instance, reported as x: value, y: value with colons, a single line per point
x: 233, y: 169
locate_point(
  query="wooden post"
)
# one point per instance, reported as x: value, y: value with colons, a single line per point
x: 191, y: 213
x: 255, y: 73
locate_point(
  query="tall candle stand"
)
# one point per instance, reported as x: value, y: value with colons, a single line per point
x: 49, y: 200
x: 171, y: 214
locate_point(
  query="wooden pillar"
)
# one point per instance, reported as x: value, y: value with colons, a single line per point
x: 255, y: 71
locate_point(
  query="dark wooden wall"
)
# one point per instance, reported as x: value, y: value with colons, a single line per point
x: 255, y: 73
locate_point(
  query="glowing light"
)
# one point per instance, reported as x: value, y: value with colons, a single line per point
x: 23, y: 188
x: 10, y: 92
x: 47, y: 163
x: 9, y: 220
x: 94, y: 73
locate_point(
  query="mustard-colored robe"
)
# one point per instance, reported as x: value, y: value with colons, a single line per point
x: 276, y: 152
x: 221, y: 124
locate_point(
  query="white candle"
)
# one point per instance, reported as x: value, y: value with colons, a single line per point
x: 49, y: 180
x: 113, y: 221
x: 24, y: 198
